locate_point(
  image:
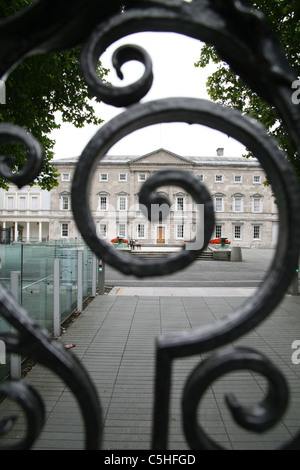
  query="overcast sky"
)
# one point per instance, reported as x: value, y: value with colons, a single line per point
x: 173, y: 59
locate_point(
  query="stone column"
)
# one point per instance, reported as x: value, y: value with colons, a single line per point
x: 28, y: 232
x: 40, y: 231
x: 16, y: 231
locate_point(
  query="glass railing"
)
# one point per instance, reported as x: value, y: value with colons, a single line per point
x: 35, y: 263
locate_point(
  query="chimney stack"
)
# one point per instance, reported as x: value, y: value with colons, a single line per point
x: 220, y: 152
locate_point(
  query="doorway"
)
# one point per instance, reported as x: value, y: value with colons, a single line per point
x: 161, y: 238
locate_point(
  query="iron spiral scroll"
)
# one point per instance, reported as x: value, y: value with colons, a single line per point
x: 244, y: 40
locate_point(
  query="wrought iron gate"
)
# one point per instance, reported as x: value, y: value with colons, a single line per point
x: 244, y: 40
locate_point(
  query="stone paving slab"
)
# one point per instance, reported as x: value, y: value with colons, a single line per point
x: 184, y: 291
x: 115, y: 340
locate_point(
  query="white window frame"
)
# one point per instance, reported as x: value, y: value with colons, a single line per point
x: 259, y: 179
x: 217, y: 228
x: 259, y: 209
x: 178, y: 206
x: 10, y: 203
x: 103, y: 229
x: 34, y: 198
x: 180, y: 231
x: 121, y: 235
x: 200, y: 177
x: 235, y: 206
x: 103, y: 177
x: 219, y: 178
x: 105, y: 206
x: 65, y: 202
x: 141, y: 230
x: 237, y: 181
x: 121, y: 198
x: 64, y: 226
x: 235, y: 227
x: 142, y: 177
x: 255, y: 227
x: 21, y: 199
x: 122, y: 177
x: 65, y: 177
x: 219, y: 198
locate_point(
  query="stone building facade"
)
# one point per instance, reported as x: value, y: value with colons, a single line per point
x: 26, y: 213
x: 245, y: 209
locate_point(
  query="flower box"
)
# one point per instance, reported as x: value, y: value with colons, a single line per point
x: 217, y: 241
x: 119, y: 240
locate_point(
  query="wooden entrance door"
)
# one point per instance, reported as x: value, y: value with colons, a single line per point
x: 161, y: 235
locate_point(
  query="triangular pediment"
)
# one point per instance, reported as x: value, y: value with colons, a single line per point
x: 161, y: 157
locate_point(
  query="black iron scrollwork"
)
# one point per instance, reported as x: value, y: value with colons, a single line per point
x: 243, y: 38
x: 32, y: 405
x: 258, y: 418
x: 13, y: 134
x: 138, y: 117
x: 43, y: 27
x: 33, y: 341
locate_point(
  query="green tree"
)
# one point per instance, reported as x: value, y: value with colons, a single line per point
x: 37, y: 90
x: 230, y: 90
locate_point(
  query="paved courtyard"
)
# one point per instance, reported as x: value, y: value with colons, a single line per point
x: 115, y: 340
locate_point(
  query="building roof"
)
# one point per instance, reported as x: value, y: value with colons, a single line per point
x: 219, y: 160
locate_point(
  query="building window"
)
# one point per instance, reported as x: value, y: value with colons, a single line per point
x: 180, y: 203
x: 22, y: 203
x: 256, y: 232
x: 103, y: 177
x: 219, y: 204
x: 237, y: 178
x: 65, y: 203
x: 103, y: 203
x: 122, y: 176
x: 64, y: 230
x: 141, y: 230
x: 256, y: 179
x: 122, y: 230
x: 219, y: 178
x: 10, y: 203
x: 200, y: 177
x: 142, y: 177
x: 65, y: 177
x: 122, y: 203
x: 257, y: 204
x: 238, y: 204
x: 179, y: 231
x: 218, y: 231
x: 137, y: 206
x: 103, y: 230
x: 34, y: 203
x: 237, y: 232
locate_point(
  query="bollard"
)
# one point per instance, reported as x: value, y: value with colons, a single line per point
x: 236, y: 253
x: 101, y: 277
x: 56, y: 298
x: 294, y: 287
x: 79, y: 281
x: 43, y: 289
x: 94, y: 275
x: 15, y: 359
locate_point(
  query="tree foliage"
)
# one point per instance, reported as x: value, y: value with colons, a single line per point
x: 39, y: 89
x: 228, y: 89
